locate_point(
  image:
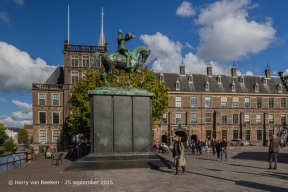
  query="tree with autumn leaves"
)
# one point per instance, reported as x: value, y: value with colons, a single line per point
x: 79, y: 104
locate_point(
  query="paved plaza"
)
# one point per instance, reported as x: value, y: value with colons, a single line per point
x: 245, y: 170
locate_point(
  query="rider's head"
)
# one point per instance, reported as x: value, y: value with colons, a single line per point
x: 120, y: 32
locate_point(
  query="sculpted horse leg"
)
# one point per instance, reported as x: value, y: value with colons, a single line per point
x: 110, y: 73
x: 130, y: 77
x: 138, y: 71
x: 105, y: 80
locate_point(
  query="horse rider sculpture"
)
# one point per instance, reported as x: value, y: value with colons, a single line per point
x: 121, y: 46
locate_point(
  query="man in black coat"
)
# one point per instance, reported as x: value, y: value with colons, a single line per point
x: 273, y: 151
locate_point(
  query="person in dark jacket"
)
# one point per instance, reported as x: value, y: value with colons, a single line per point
x: 200, y: 145
x: 213, y: 146
x: 218, y: 148
x: 178, y: 154
x: 273, y: 151
x: 224, y: 149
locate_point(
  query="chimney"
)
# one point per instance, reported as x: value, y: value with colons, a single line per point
x: 209, y: 70
x: 281, y: 75
x: 66, y: 44
x: 182, y: 68
x: 267, y: 72
x: 106, y: 46
x: 234, y: 71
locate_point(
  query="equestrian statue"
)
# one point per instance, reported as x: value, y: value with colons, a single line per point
x: 122, y: 59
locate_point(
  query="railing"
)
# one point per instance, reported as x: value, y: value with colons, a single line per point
x: 85, y: 48
x: 19, y: 159
x: 47, y: 86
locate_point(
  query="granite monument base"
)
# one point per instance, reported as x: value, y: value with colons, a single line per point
x: 121, y: 129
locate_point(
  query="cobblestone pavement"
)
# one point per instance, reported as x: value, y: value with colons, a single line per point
x: 245, y: 170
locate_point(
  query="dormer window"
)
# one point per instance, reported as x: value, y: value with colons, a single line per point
x: 242, y: 79
x: 207, y: 85
x: 233, y: 86
x: 177, y: 84
x: 256, y: 87
x: 161, y: 77
x: 219, y: 79
x: 190, y: 78
x: 264, y: 80
x: 279, y: 88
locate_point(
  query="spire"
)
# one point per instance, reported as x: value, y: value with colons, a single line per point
x: 102, y: 37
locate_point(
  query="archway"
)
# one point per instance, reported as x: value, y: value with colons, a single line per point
x: 194, y: 138
x: 183, y: 135
x: 164, y: 138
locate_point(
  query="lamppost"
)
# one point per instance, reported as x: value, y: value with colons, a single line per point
x: 245, y: 123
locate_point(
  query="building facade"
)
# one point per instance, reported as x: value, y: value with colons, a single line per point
x: 49, y: 100
x: 215, y: 106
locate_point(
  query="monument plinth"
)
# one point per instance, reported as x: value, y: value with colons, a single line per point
x: 121, y: 120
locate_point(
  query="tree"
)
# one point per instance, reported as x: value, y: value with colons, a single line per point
x: 3, y: 135
x: 22, y: 136
x: 79, y: 104
x: 9, y: 144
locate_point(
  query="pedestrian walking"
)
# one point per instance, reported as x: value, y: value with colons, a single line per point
x: 200, y: 145
x: 218, y: 148
x: 213, y: 146
x: 206, y: 146
x: 273, y: 151
x: 193, y: 146
x: 178, y: 154
x: 224, y: 149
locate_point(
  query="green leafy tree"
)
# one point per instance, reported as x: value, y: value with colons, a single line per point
x: 31, y: 139
x: 22, y: 136
x: 9, y: 144
x: 3, y: 135
x: 79, y: 105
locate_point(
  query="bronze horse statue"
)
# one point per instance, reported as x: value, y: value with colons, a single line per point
x: 112, y: 61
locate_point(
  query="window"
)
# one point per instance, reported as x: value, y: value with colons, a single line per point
x: 224, y: 134
x: 248, y: 135
x: 56, y: 118
x: 283, y: 103
x: 259, y: 135
x: 193, y: 102
x: 161, y: 77
x: 208, y: 118
x: 224, y: 118
x: 178, y: 118
x: 247, y: 102
x: 42, y: 117
x: 223, y: 104
x: 259, y: 103
x: 235, y: 118
x: 271, y: 102
x: 241, y: 79
x: 233, y: 86
x: 84, y: 75
x: 271, y: 119
x: 256, y: 87
x: 193, y: 118
x: 207, y: 101
x: 207, y: 85
x: 164, y: 118
x: 208, y: 135
x: 55, y: 98
x: 247, y: 118
x: 235, y: 105
x: 56, y: 134
x: 235, y: 134
x: 283, y: 119
x: 42, y: 99
x: 74, y: 77
x: 178, y: 101
x: 85, y: 61
x: 258, y: 119
x: 177, y: 85
x: 74, y: 61
x: 42, y: 136
x: 271, y: 132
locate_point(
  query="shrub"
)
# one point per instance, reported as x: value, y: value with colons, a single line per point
x: 9, y: 144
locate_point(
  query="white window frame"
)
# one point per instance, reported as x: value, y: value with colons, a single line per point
x: 85, y: 60
x: 42, y: 131
x: 58, y: 140
x: 271, y: 119
x: 45, y: 117
x: 208, y: 102
x: 178, y: 101
x: 178, y: 116
x: 74, y: 58
x: 74, y: 78
x: 247, y: 119
x: 193, y: 119
x: 42, y: 98
x: 53, y: 118
x: 55, y: 99
x: 247, y: 102
x: 258, y: 119
x: 193, y: 101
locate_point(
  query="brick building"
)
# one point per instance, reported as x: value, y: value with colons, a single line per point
x: 205, y: 105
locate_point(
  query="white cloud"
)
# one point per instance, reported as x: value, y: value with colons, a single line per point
x: 189, y: 46
x: 3, y: 100
x: 24, y: 115
x: 19, y: 70
x: 226, y: 34
x: 248, y: 73
x: 166, y: 56
x: 20, y: 2
x: 185, y: 9
x: 4, y: 17
x: 285, y: 72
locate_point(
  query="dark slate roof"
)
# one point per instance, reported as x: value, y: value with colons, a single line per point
x: 14, y: 129
x: 57, y: 77
x: 199, y: 81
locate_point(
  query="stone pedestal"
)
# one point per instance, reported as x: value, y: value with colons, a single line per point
x: 121, y: 120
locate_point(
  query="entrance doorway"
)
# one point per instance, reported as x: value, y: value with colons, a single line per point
x: 194, y: 138
x: 164, y: 138
x: 182, y: 134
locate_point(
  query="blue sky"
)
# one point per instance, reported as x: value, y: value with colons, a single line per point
x: 32, y: 34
